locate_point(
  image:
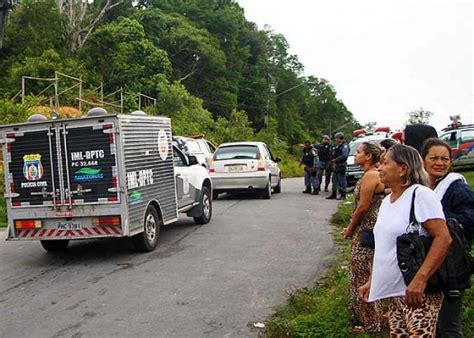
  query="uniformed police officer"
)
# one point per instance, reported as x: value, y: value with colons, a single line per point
x: 341, y: 152
x: 309, y: 160
x: 324, y: 151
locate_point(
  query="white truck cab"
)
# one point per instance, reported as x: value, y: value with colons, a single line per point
x: 99, y: 176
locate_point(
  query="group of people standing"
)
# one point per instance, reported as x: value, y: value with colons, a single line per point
x: 326, y: 159
x: 393, y: 173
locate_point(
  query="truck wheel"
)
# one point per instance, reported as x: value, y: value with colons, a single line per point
x: 148, y: 239
x: 215, y: 195
x: 277, y: 189
x: 55, y: 245
x: 267, y: 192
x: 205, y: 204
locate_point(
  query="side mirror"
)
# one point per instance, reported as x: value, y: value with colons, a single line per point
x: 277, y: 159
x: 192, y: 160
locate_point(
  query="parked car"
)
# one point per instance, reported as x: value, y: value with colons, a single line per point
x: 354, y: 171
x: 245, y: 166
x: 199, y: 147
x: 461, y: 140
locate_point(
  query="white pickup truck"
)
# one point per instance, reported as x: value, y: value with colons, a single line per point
x: 99, y: 176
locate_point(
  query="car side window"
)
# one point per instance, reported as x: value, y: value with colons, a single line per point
x: 211, y: 147
x: 270, y: 152
x: 178, y: 159
x: 451, y: 139
x: 266, y: 152
x: 467, y: 135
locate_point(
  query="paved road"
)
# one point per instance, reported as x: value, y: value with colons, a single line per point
x: 202, y: 281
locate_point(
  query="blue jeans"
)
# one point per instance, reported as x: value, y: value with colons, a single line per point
x: 339, y: 180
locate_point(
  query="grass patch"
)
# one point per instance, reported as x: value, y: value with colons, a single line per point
x: 469, y: 175
x: 467, y: 315
x: 290, y: 167
x: 322, y: 310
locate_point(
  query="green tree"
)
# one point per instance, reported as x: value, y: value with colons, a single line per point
x: 123, y: 57
x: 236, y: 128
x: 187, y: 114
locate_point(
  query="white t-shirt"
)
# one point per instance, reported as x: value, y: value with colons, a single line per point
x: 392, y: 221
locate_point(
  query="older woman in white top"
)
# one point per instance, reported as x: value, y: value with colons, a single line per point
x: 412, y: 311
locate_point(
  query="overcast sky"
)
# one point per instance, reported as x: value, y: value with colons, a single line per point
x: 384, y: 57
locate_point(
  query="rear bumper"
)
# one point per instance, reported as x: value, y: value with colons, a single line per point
x: 242, y: 181
x: 51, y: 231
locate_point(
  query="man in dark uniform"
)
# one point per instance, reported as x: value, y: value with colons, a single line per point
x: 324, y: 151
x: 309, y: 160
x: 341, y: 152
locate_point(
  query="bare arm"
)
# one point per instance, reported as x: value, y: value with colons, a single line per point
x: 368, y: 185
x: 434, y: 258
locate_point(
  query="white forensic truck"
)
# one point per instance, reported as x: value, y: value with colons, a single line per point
x: 99, y: 176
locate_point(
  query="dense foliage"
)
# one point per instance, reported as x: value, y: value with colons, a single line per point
x: 210, y: 69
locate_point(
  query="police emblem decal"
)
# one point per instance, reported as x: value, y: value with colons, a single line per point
x: 163, y: 144
x: 32, y: 167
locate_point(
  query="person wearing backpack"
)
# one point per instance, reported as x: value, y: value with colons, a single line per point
x: 457, y: 200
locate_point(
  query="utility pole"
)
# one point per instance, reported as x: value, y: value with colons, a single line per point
x: 273, y: 91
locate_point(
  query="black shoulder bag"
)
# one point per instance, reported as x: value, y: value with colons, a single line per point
x: 453, y: 274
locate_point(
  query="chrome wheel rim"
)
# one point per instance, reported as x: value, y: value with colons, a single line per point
x: 150, y: 228
x: 206, y: 206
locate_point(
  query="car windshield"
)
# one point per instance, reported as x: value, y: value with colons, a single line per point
x: 237, y: 152
x: 353, y: 147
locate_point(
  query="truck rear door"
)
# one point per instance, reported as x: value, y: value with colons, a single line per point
x: 63, y: 165
x: 33, y: 176
x: 90, y: 164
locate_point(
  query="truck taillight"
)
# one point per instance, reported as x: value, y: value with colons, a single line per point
x: 106, y: 220
x: 28, y: 224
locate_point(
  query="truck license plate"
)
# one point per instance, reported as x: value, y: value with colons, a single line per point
x: 69, y: 226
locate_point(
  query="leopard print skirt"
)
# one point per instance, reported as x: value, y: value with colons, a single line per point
x: 415, y: 322
x: 369, y: 316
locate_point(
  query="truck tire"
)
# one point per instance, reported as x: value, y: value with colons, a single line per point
x: 205, y: 205
x: 267, y: 191
x: 277, y: 189
x: 148, y: 239
x: 55, y: 245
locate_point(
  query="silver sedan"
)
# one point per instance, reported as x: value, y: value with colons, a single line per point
x: 243, y: 167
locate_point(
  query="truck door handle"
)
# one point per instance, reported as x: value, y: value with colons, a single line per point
x: 80, y: 191
x: 43, y: 193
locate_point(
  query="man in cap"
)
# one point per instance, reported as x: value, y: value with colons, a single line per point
x: 309, y: 160
x: 341, y: 152
x: 324, y: 151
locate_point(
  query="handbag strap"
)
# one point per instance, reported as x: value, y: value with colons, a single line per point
x: 413, y: 222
